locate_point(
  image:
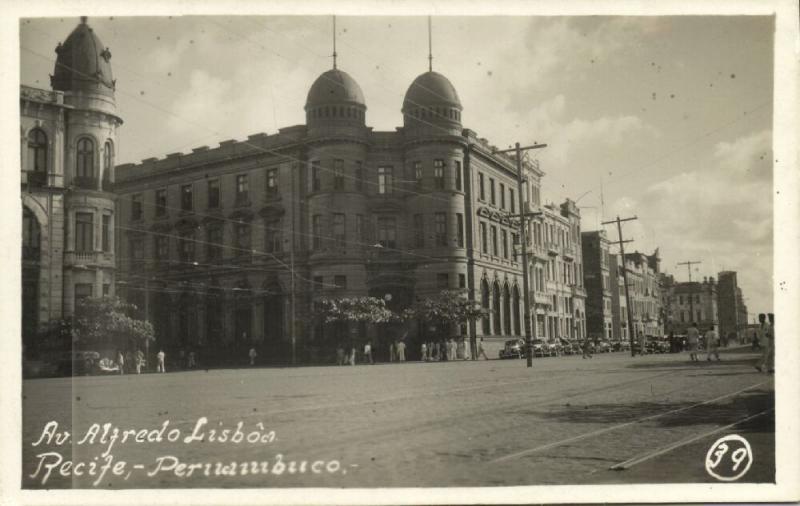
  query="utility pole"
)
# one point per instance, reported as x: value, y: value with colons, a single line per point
x: 523, y: 215
x: 621, y: 242
x: 689, y: 265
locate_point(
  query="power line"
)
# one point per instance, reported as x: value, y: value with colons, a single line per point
x: 621, y: 243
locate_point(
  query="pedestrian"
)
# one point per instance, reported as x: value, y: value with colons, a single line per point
x: 253, y: 354
x: 481, y: 351
x: 401, y: 350
x: 587, y: 348
x: 339, y: 355
x: 765, y: 364
x: 460, y: 349
x: 642, y: 343
x: 192, y: 360
x: 451, y: 349
x: 121, y: 362
x: 139, y: 361
x: 712, y: 344
x: 368, y: 353
x: 756, y: 345
x: 772, y: 341
x: 129, y: 363
x: 352, y: 357
x: 181, y: 358
x: 693, y: 336
x: 424, y: 352
x: 160, y: 361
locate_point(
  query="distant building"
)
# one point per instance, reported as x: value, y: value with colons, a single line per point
x: 68, y: 137
x: 644, y: 291
x: 619, y: 303
x: 692, y: 302
x: 599, y: 286
x: 732, y: 311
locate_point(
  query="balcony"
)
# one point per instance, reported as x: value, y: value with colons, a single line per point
x: 578, y: 291
x: 541, y: 298
x: 552, y: 248
x: 89, y: 258
x: 85, y: 182
x: 539, y: 251
x: 36, y: 179
x: 569, y: 252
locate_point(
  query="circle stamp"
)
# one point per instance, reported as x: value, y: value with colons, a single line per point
x: 729, y: 458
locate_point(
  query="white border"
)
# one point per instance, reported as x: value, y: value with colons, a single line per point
x: 787, y: 240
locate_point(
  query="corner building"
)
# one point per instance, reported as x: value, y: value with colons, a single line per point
x: 211, y: 238
x: 68, y: 136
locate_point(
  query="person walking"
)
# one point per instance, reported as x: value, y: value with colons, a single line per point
x: 765, y: 363
x: 121, y: 362
x: 392, y: 351
x: 481, y: 351
x: 339, y: 355
x: 424, y: 352
x: 712, y: 344
x: 401, y: 350
x: 451, y: 349
x: 352, y: 357
x: 160, y: 361
x: 693, y: 336
x: 192, y: 359
x: 252, y: 354
x: 587, y: 348
x: 368, y: 353
x: 139, y: 361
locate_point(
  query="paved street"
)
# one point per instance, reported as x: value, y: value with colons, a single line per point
x: 566, y: 420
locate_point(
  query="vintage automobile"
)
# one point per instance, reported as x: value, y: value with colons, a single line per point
x: 540, y: 348
x: 568, y: 347
x: 514, y: 348
x: 602, y: 347
x: 555, y: 348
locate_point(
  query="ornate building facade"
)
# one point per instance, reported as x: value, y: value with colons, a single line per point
x: 68, y: 136
x: 232, y: 246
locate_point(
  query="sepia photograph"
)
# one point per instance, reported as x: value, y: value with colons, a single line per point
x: 331, y: 251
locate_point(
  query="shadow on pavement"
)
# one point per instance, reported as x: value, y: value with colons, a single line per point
x: 742, y: 406
x: 687, y: 364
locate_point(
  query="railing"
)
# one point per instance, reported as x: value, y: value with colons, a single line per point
x: 88, y: 258
x: 552, y: 248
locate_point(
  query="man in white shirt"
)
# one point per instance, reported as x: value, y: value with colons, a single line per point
x: 160, y: 363
x: 368, y: 352
x: 712, y: 344
x: 693, y: 338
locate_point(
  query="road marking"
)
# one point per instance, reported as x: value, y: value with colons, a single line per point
x: 619, y: 426
x: 666, y: 449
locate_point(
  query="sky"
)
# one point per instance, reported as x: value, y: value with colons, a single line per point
x: 668, y: 118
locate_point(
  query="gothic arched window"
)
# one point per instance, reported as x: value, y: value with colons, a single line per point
x: 85, y: 158
x: 37, y: 151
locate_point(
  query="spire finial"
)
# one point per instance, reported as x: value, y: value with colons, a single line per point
x: 334, y: 42
x: 83, y: 20
x: 430, y: 47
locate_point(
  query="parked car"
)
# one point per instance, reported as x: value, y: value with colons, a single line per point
x: 567, y: 347
x: 540, y: 348
x: 602, y: 347
x: 514, y: 348
x: 554, y: 347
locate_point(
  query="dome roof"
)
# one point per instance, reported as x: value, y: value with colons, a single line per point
x: 83, y: 62
x: 334, y: 87
x: 431, y: 88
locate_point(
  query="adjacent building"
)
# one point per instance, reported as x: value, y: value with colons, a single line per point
x: 731, y: 307
x: 691, y: 302
x: 599, y: 285
x: 644, y: 295
x: 68, y: 140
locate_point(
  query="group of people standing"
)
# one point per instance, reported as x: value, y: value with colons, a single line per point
x: 443, y: 350
x: 134, y: 361
x: 711, y: 339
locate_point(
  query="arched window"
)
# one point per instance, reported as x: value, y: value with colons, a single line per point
x: 108, y: 163
x: 84, y: 167
x: 37, y: 151
x: 31, y: 235
x: 485, y: 304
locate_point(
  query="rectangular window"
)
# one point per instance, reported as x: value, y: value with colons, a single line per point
x: 360, y: 235
x: 186, y: 197
x: 338, y: 174
x: 338, y: 230
x: 316, y: 184
x: 273, y: 236
x: 340, y: 281
x: 492, y: 195
x: 502, y: 196
x: 494, y: 240
x: 316, y: 232
x: 442, y: 281
x: 418, y: 174
x: 136, y: 207
x: 458, y: 175
x: 186, y: 247
x: 83, y: 291
x: 438, y: 174
x: 272, y: 182
x: 460, y: 230
x: 484, y: 239
x: 511, y: 201
x: 84, y: 232
x: 440, y: 222
x: 504, y: 241
x: 481, y: 187
x: 106, y: 233
x: 161, y: 248
x: 385, y: 180
x: 462, y: 281
x: 214, y: 237
x: 213, y: 194
x: 419, y: 231
x: 161, y: 202
x: 387, y: 231
x: 242, y: 189
x: 242, y: 236
x: 359, y: 175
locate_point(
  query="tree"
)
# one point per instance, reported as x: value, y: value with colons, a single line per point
x: 355, y: 309
x: 448, y: 307
x: 108, y: 321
